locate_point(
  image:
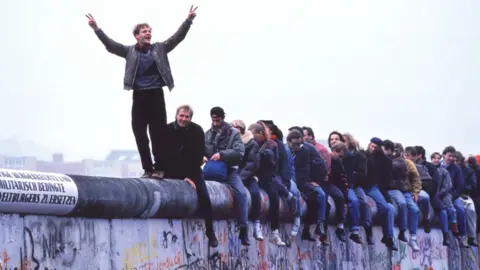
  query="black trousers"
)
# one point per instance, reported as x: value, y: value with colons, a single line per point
x: 204, y: 202
x: 148, y: 111
x: 271, y: 189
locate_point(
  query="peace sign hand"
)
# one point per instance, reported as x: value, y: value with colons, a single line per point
x: 192, y: 14
x: 91, y: 21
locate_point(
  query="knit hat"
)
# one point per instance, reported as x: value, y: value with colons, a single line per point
x: 376, y: 141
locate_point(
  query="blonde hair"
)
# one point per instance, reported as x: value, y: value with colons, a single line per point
x: 186, y: 108
x: 352, y: 143
x: 239, y: 123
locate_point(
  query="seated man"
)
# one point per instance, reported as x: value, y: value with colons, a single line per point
x: 444, y: 192
x: 224, y: 143
x: 248, y: 169
x: 403, y: 189
x: 185, y: 149
x: 470, y: 184
x: 267, y: 158
x: 458, y: 184
x: 312, y: 192
x: 336, y: 186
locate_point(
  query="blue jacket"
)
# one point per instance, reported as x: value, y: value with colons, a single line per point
x: 458, y: 182
x: 283, y: 167
x: 291, y: 163
x: 249, y: 165
x: 302, y: 166
x: 318, y: 166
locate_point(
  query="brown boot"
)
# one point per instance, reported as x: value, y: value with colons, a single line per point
x: 146, y: 175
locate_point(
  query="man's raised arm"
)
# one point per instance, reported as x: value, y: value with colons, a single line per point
x: 181, y: 33
x: 111, y: 45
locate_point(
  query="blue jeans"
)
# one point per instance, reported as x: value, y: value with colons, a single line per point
x: 461, y: 216
x: 240, y: 196
x: 365, y: 213
x: 316, y: 203
x: 337, y: 196
x: 408, y: 211
x: 296, y: 193
x: 384, y: 209
x: 424, y: 203
x: 443, y: 216
x: 353, y: 204
x: 252, y: 185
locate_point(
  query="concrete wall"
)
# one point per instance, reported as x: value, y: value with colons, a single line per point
x: 146, y: 224
x: 45, y: 242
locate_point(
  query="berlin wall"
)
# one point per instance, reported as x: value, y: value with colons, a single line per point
x: 54, y: 221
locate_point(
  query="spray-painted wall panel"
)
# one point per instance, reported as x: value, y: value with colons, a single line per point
x: 11, y: 241
x: 66, y: 243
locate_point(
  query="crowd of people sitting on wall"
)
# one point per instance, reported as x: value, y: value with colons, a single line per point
x: 247, y: 158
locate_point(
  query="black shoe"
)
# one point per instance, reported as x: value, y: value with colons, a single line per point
x: 389, y: 243
x: 292, y: 205
x: 320, y: 229
x: 212, y: 239
x: 471, y: 242
x: 306, y: 235
x: 401, y: 236
x: 446, y: 240
x: 355, y: 237
x: 426, y: 226
x: 341, y: 234
x: 243, y: 236
x: 369, y: 233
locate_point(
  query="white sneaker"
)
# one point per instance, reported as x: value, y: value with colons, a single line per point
x: 257, y: 231
x: 414, y: 244
x: 295, y: 227
x: 275, y: 239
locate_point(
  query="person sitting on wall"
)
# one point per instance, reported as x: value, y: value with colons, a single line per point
x: 266, y: 173
x: 224, y: 151
x: 311, y: 190
x: 248, y: 169
x: 185, y: 149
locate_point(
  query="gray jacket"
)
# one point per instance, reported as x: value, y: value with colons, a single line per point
x: 159, y: 51
x: 232, y: 154
x: 445, y: 182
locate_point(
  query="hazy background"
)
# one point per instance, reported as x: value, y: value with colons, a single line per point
x: 407, y: 71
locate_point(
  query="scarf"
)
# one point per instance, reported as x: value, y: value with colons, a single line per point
x: 221, y: 135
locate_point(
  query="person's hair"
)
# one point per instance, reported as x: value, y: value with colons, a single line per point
x: 459, y: 156
x: 472, y: 162
x: 138, y: 27
x: 339, y: 135
x: 187, y: 108
x: 352, y: 143
x: 297, y: 128
x: 399, y: 146
x: 239, y: 124
x: 217, y: 111
x: 339, y: 146
x: 449, y: 149
x: 294, y: 134
x: 256, y: 128
x: 309, y: 131
x: 420, y: 151
x: 266, y: 129
x: 435, y: 154
x: 388, y: 145
x: 411, y: 150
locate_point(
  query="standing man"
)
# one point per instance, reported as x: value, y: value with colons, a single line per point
x: 147, y: 71
x: 185, y: 149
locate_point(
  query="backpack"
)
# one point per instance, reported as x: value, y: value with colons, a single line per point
x: 215, y: 170
x: 423, y: 173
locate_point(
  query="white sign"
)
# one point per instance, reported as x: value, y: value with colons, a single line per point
x: 30, y: 192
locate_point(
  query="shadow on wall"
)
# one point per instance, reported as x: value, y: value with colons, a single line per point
x: 44, y: 242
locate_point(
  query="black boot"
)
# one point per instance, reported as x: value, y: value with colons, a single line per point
x: 369, y: 233
x: 212, y: 239
x: 389, y: 243
x: 401, y: 236
x: 471, y: 242
x: 320, y: 229
x: 446, y: 239
x: 355, y: 237
x: 306, y: 235
x: 340, y: 232
x: 426, y: 226
x: 243, y: 236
